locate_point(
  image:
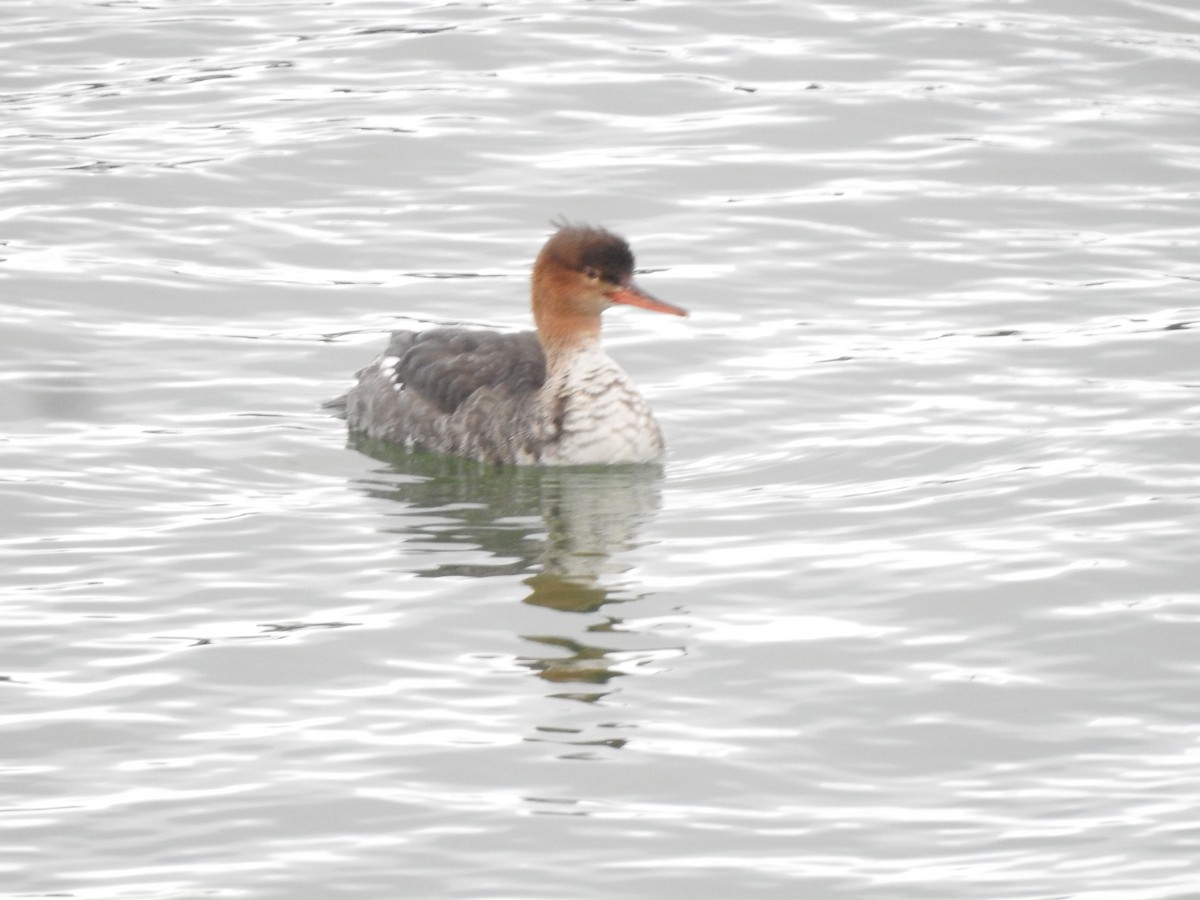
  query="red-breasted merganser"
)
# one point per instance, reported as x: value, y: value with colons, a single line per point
x: 550, y: 398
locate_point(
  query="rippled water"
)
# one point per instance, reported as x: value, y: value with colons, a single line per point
x: 911, y: 611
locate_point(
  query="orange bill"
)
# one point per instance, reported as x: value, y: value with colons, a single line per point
x: 633, y: 295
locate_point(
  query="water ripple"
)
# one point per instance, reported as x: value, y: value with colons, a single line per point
x: 910, y: 611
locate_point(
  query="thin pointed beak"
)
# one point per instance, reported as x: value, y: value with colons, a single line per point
x: 633, y: 295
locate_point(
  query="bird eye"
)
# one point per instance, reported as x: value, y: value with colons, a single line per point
x: 592, y: 273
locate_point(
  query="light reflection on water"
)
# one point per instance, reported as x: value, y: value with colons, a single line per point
x: 908, y: 613
x: 562, y: 529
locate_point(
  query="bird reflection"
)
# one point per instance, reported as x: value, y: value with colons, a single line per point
x: 560, y: 525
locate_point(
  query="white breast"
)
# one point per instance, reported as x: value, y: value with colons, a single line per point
x: 604, y: 418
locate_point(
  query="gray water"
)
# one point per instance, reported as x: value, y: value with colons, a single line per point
x: 910, y: 612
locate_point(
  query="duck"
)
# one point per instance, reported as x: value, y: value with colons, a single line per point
x: 549, y: 397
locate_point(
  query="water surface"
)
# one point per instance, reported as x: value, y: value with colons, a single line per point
x: 911, y: 609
